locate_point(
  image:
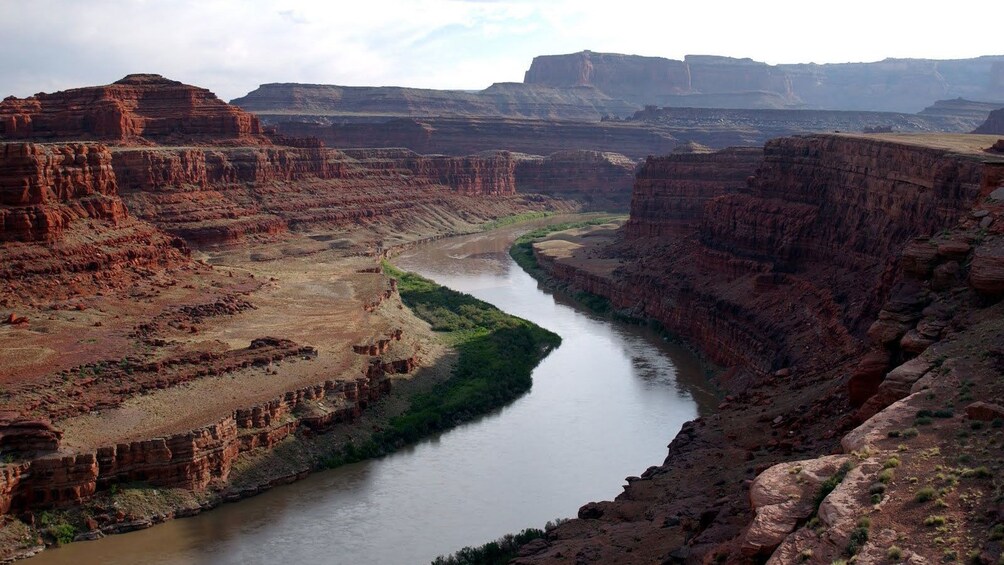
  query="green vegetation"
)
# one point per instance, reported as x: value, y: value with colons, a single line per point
x: 497, y: 354
x: 925, y: 494
x: 496, y: 552
x: 831, y: 483
x: 859, y: 536
x: 894, y: 553
x: 55, y: 525
x: 500, y: 551
x: 515, y: 219
x: 934, y: 521
x: 522, y: 250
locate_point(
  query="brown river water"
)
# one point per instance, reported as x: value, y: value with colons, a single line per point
x: 603, y: 406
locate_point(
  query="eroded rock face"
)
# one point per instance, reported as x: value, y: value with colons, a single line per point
x: 994, y: 124
x: 820, y: 225
x: 708, y: 81
x: 671, y: 191
x: 45, y: 187
x: 136, y: 108
x: 600, y: 180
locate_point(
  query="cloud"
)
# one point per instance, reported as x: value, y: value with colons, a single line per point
x: 232, y: 46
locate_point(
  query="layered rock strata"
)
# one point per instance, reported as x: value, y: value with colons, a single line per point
x: 135, y: 109
x: 795, y: 282
x: 904, y: 85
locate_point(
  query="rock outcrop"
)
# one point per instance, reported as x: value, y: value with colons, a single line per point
x: 462, y: 136
x: 824, y: 218
x: 136, y: 109
x: 45, y: 187
x: 994, y: 125
x: 502, y: 100
x: 828, y: 279
x: 601, y: 181
x: 899, y: 85
x: 671, y: 191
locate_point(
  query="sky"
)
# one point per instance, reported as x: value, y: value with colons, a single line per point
x: 232, y: 46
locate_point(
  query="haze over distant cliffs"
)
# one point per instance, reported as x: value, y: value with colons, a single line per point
x: 891, y: 85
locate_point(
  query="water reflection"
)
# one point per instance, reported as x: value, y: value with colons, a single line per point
x: 603, y: 406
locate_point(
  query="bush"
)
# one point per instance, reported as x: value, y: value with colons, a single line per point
x: 831, y: 483
x: 497, y: 354
x: 934, y: 521
x: 496, y: 552
x: 924, y: 495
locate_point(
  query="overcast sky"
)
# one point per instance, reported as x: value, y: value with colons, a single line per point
x: 232, y: 46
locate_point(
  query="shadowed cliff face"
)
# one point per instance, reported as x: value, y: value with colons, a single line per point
x: 898, y: 85
x: 833, y: 285
x: 994, y: 124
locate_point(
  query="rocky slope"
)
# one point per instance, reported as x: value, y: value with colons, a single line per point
x: 600, y: 181
x: 652, y: 131
x: 994, y: 124
x: 119, y: 352
x: 137, y: 108
x: 898, y: 85
x: 808, y: 285
x: 502, y: 100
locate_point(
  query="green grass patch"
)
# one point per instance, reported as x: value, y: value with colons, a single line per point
x: 514, y: 219
x: 497, y: 354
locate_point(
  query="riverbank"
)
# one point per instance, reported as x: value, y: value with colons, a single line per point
x: 397, y: 359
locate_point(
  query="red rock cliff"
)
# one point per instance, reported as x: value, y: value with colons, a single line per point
x: 820, y: 226
x: 136, y: 108
x: 600, y: 180
x: 44, y: 187
x: 670, y: 192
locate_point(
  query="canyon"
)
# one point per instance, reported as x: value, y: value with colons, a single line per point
x: 849, y: 285
x: 162, y: 249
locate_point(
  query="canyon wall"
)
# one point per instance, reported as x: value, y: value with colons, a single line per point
x: 671, y: 191
x: 136, y: 108
x: 44, y: 188
x: 502, y: 100
x: 190, y: 460
x: 994, y: 125
x: 601, y: 181
x: 462, y: 136
x: 823, y: 218
x: 899, y: 85
x: 850, y: 287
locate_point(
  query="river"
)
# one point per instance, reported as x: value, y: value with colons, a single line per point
x: 603, y: 406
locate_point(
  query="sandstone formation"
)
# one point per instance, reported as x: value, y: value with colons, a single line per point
x: 994, y: 124
x: 601, y: 181
x: 502, y: 100
x: 898, y: 85
x: 851, y: 278
x: 670, y: 192
x: 651, y: 131
x: 136, y: 108
x: 109, y: 317
x: 461, y: 136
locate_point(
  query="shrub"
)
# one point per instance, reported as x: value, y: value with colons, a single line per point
x: 934, y: 521
x: 496, y: 552
x: 497, y: 354
x: 894, y: 553
x: 924, y: 495
x: 831, y: 483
